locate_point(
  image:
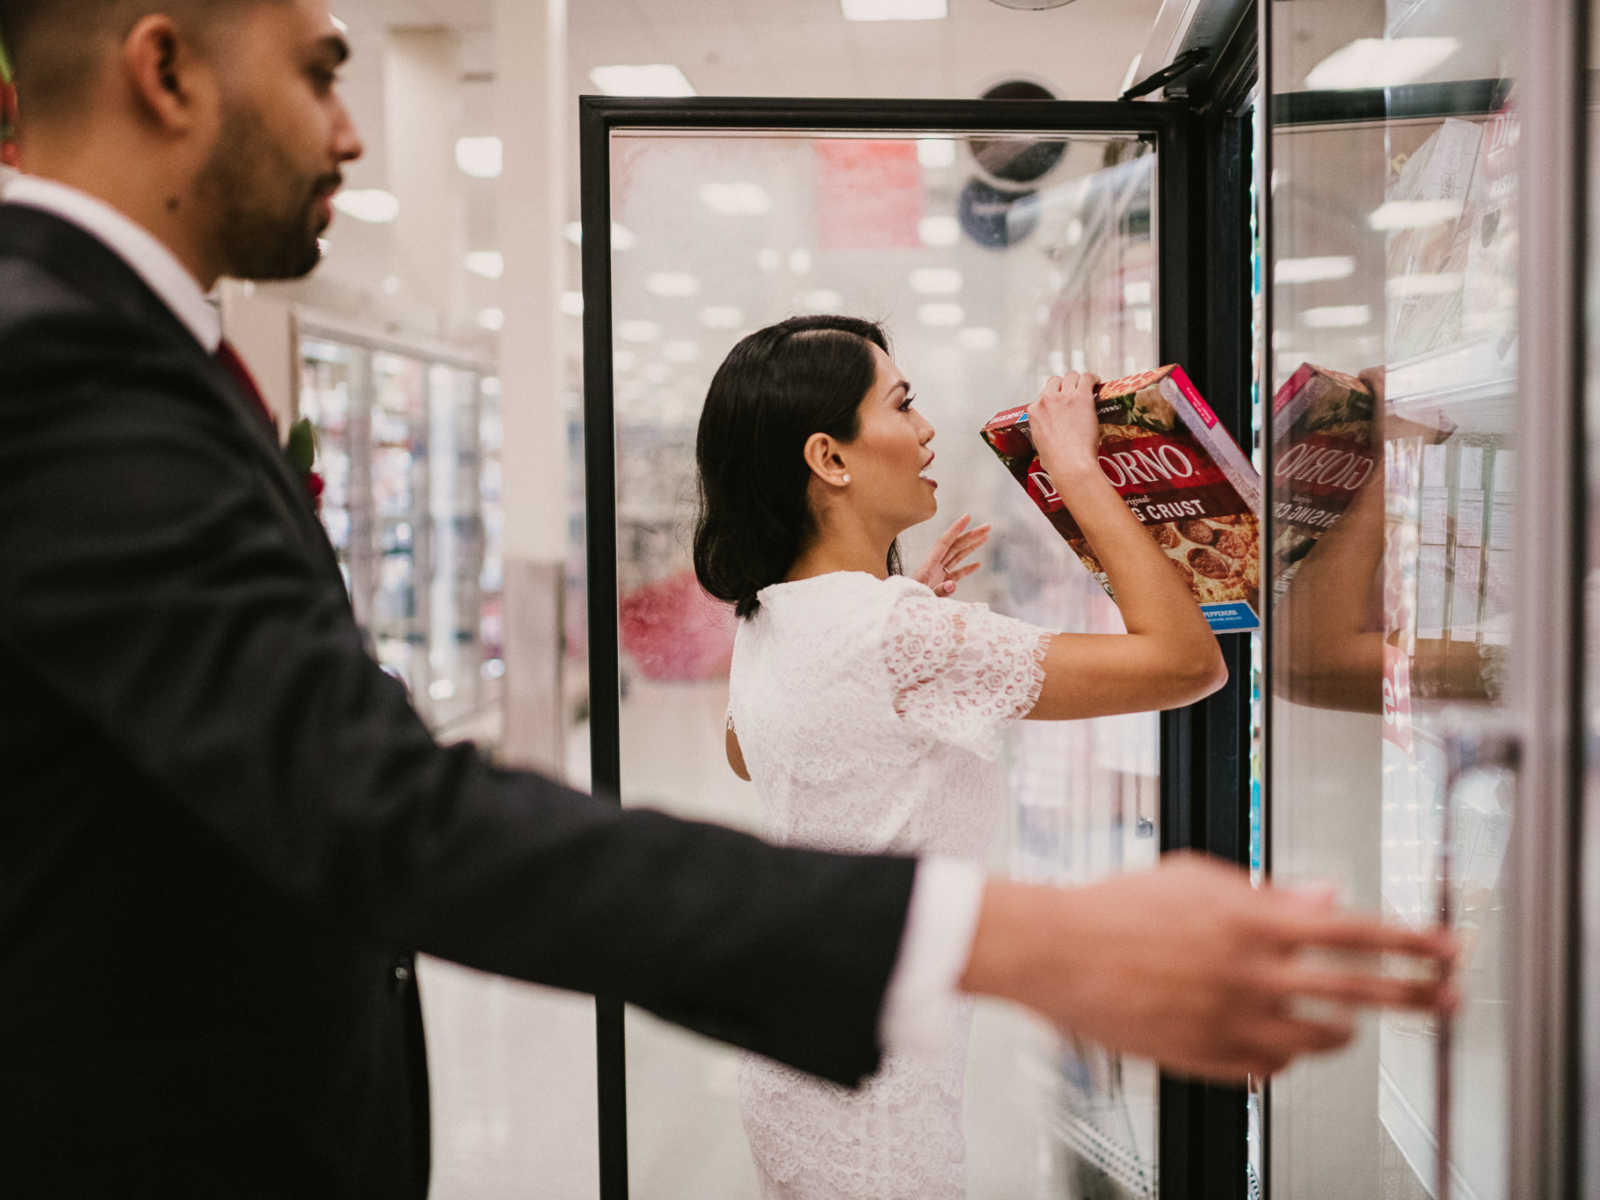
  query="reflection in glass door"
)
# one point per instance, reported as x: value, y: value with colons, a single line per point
x: 456, y: 563
x: 1401, y: 475
x: 986, y: 286
x: 399, y: 493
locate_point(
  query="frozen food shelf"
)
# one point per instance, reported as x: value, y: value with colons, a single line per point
x: 1473, y: 384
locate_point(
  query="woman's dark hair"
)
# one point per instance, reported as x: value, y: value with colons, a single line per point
x: 775, y: 389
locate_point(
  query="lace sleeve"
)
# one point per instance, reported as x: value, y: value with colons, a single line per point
x: 957, y: 672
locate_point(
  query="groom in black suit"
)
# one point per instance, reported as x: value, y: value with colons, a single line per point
x: 224, y: 833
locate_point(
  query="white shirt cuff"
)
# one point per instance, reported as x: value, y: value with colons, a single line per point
x: 940, y: 924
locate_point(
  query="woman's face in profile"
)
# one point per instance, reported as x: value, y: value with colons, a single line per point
x: 890, y: 461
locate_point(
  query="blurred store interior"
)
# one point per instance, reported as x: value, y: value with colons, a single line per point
x: 438, y: 350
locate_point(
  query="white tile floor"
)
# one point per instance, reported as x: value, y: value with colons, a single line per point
x: 513, y: 1066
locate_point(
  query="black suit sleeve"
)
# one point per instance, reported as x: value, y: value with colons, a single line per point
x: 150, y: 584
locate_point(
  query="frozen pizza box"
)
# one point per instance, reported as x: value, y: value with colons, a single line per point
x: 1323, y: 450
x: 1179, y: 472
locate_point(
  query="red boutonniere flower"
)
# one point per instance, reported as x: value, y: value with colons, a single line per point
x: 302, y: 451
x: 9, y: 155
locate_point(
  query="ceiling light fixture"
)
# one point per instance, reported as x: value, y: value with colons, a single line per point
x: 621, y: 236
x: 1337, y: 316
x: 650, y: 79
x: 1414, y: 214
x: 1379, y: 63
x: 721, y: 316
x: 638, y: 331
x: 672, y: 284
x: 941, y: 315
x: 939, y: 231
x: 480, y: 157
x: 372, y: 205
x: 492, y: 319
x: 736, y: 199
x: 490, y: 264
x: 1313, y: 270
x: 936, y: 281
x: 894, y: 10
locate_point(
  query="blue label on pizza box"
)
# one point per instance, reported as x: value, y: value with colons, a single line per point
x: 1231, y: 618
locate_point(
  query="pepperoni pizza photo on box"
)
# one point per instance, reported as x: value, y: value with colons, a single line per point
x: 1179, y: 472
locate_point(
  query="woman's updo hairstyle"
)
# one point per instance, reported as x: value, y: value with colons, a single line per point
x: 775, y: 389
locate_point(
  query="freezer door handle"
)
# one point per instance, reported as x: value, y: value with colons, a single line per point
x: 1474, y: 742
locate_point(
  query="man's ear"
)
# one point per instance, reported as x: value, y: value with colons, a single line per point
x: 822, y: 456
x: 166, y: 74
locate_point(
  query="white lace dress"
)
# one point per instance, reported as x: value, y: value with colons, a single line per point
x: 870, y: 712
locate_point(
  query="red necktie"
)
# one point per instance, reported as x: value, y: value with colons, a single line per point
x: 229, y: 358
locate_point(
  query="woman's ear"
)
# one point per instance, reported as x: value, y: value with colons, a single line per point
x: 822, y: 456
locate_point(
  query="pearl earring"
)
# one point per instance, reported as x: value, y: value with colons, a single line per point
x: 844, y: 479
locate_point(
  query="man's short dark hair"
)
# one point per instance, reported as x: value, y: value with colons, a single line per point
x: 54, y: 44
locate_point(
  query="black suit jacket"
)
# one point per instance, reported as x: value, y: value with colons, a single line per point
x: 224, y: 832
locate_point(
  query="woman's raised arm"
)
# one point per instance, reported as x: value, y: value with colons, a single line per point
x: 1169, y: 657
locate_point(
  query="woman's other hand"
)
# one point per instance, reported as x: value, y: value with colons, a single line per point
x: 942, y: 569
x: 1064, y: 427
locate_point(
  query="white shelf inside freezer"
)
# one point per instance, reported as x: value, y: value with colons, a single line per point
x: 1472, y: 383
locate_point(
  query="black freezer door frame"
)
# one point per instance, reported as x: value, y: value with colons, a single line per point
x: 1189, y: 787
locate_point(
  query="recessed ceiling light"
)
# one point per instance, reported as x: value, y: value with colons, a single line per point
x: 373, y: 205
x: 936, y: 153
x: 939, y: 231
x: 768, y: 259
x: 800, y: 261
x: 978, y: 337
x: 1337, y: 316
x: 638, y: 331
x: 941, y: 314
x: 823, y: 300
x: 1313, y: 270
x: 621, y: 236
x: 681, y: 351
x: 673, y: 284
x: 736, y: 199
x: 391, y: 285
x: 624, y: 360
x: 936, y: 281
x: 571, y: 303
x: 492, y: 319
x: 490, y: 264
x: 894, y: 10
x: 721, y: 316
x: 651, y: 79
x: 480, y: 157
x: 1414, y: 214
x: 1444, y: 284
x: 1380, y: 62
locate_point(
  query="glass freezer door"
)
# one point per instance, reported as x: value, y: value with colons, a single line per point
x: 1402, y: 394
x: 1000, y: 244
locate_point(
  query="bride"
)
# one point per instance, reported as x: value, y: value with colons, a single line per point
x: 867, y: 707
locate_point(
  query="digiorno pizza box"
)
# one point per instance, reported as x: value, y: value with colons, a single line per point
x: 1178, y: 470
x: 1323, y: 450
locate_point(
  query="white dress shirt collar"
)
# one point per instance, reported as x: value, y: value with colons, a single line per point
x: 153, y: 262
